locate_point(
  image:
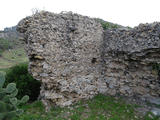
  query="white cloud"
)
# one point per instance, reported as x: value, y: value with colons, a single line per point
x: 124, y: 12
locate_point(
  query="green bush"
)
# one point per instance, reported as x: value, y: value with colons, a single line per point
x: 107, y: 25
x: 8, y: 101
x: 26, y: 84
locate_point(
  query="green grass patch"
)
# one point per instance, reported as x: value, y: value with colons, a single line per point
x: 99, y: 108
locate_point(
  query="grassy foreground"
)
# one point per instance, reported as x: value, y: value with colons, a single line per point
x: 99, y: 108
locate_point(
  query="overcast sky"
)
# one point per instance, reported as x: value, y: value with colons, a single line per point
x: 124, y: 12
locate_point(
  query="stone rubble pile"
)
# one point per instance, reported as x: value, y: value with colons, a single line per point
x: 75, y: 58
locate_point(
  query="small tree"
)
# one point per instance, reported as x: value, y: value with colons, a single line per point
x: 25, y: 83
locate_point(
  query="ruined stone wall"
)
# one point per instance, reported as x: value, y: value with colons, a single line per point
x: 131, y: 60
x: 64, y: 54
x: 75, y: 58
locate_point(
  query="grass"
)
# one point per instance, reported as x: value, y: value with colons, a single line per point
x: 12, y: 57
x: 99, y: 108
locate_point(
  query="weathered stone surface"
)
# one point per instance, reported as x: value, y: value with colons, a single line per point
x: 156, y: 111
x: 153, y: 100
x: 75, y: 58
x: 64, y: 53
x: 129, y: 57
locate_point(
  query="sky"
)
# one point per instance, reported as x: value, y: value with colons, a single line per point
x: 124, y: 12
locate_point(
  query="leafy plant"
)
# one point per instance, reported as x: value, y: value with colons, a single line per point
x: 107, y: 25
x: 26, y: 84
x: 8, y: 101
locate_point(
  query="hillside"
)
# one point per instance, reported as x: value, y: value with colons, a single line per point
x: 11, y: 48
x: 11, y: 36
x: 9, y: 33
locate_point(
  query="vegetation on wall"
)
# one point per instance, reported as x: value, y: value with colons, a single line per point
x: 156, y: 66
x: 107, y: 25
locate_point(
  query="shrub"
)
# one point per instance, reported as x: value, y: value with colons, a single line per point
x: 26, y: 84
x: 8, y: 100
x: 107, y: 25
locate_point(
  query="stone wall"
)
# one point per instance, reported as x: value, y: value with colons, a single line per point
x: 131, y: 60
x: 75, y: 58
